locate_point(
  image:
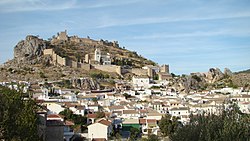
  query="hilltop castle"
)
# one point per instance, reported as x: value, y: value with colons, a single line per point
x: 101, y: 60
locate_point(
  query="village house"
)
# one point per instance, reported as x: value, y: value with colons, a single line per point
x: 130, y: 114
x: 149, y: 126
x: 101, y: 129
x: 140, y: 82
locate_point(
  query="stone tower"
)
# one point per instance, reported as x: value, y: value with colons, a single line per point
x: 63, y: 36
x: 164, y: 68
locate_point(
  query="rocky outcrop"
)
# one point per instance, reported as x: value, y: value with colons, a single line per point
x: 228, y: 72
x: 85, y: 83
x: 202, y: 81
x: 30, y: 48
x: 214, y: 74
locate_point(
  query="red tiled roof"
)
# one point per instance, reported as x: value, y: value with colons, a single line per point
x: 143, y: 111
x: 54, y: 116
x: 91, y: 115
x: 149, y: 121
x: 110, y: 94
x: 116, y: 107
x: 142, y: 121
x: 130, y: 112
x: 105, y: 122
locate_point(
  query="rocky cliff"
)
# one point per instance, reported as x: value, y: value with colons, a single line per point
x: 214, y: 78
x: 29, y: 49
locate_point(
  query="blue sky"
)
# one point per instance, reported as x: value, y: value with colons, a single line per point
x: 189, y: 35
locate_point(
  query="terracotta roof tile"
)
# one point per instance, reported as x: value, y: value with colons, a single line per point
x: 54, y: 116
x: 105, y: 122
x: 91, y: 115
x: 130, y: 112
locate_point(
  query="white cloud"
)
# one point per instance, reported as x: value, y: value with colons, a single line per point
x: 106, y: 3
x: 154, y: 20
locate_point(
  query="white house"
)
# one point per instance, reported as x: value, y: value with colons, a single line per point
x: 179, y: 111
x: 140, y: 82
x: 78, y: 109
x: 93, y: 107
x: 244, y: 107
x: 149, y: 126
x: 100, y: 57
x: 100, y: 130
x: 130, y: 114
x: 54, y: 108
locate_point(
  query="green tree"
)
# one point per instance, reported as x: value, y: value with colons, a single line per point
x: 18, y: 119
x: 67, y: 113
x: 231, y: 125
x: 151, y: 137
x: 118, y: 137
x: 134, y: 132
x: 78, y: 119
x: 168, y: 126
x: 95, y: 99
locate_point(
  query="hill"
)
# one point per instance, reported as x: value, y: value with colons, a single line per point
x: 69, y: 57
x: 30, y: 50
x: 64, y: 57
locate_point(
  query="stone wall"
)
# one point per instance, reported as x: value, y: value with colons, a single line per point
x: 58, y: 60
x: 61, y: 60
x: 85, y: 66
x: 74, y: 64
x: 138, y: 71
x: 109, y: 68
x: 48, y: 51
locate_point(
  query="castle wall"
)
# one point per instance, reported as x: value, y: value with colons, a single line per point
x: 89, y: 41
x: 85, y: 66
x: 126, y: 71
x: 48, y: 51
x: 87, y: 58
x: 54, y: 58
x: 137, y: 71
x: 74, y: 64
x: 61, y: 60
x: 109, y: 68
x: 69, y: 62
x: 58, y: 60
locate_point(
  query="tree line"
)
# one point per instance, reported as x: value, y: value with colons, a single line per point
x: 230, y: 125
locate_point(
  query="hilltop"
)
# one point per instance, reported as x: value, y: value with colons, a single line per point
x: 64, y: 57
x: 77, y: 49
